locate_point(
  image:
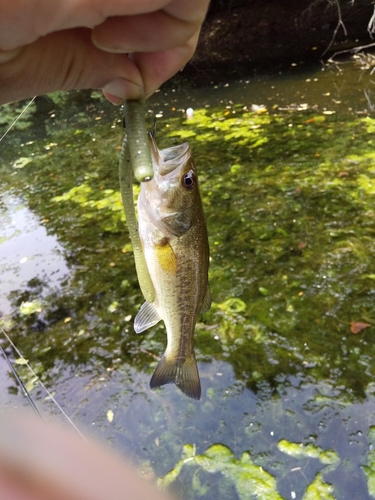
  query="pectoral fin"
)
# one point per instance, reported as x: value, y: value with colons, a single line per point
x: 146, y: 318
x: 206, y: 301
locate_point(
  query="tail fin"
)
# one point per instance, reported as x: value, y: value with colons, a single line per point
x: 185, y: 375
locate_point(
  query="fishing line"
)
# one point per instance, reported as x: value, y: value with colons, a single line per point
x: 20, y: 383
x: 41, y: 383
x: 18, y: 117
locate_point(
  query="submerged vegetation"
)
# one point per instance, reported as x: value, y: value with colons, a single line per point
x: 289, y: 200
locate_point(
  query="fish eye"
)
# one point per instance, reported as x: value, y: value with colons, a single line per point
x: 188, y: 180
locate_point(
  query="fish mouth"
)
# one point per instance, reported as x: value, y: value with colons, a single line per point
x: 167, y: 160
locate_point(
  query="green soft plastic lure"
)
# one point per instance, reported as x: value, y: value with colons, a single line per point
x: 136, y: 157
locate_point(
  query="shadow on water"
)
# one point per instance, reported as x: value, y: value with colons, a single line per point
x: 288, y: 181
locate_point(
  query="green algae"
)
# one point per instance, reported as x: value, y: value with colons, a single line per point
x: 309, y: 450
x: 369, y: 469
x: 251, y: 481
x: 319, y: 490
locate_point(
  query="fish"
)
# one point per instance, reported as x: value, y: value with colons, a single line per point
x: 174, y: 240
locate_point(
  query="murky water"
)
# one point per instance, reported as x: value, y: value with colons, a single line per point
x: 287, y: 180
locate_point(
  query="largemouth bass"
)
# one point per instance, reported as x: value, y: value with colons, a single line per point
x: 175, y: 245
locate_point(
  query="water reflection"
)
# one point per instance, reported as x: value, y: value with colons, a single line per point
x: 27, y: 255
x: 27, y: 251
x: 288, y: 192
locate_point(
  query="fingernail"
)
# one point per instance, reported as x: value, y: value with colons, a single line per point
x: 122, y: 89
x: 112, y: 98
x: 8, y: 55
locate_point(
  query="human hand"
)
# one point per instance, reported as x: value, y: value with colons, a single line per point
x: 127, y: 48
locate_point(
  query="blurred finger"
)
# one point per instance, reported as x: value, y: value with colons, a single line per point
x: 41, y: 461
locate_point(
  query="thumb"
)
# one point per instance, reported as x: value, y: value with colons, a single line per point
x: 66, y: 60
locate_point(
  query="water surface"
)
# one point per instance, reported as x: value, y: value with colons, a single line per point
x: 288, y: 182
